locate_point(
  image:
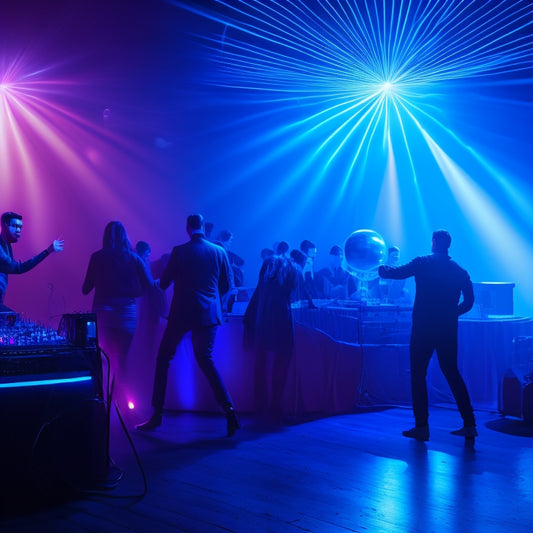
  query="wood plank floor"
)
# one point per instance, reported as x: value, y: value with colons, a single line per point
x: 349, y: 473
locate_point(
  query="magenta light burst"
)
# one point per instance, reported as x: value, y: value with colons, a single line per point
x: 67, y: 167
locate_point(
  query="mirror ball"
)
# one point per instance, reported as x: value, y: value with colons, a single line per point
x: 364, y: 251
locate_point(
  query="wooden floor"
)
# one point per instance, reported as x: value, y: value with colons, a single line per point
x: 350, y: 473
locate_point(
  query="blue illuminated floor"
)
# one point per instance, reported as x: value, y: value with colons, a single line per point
x: 351, y: 473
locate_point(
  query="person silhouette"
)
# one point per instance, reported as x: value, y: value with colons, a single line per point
x: 201, y: 274
x: 439, y: 282
x: 10, y: 234
x: 269, y: 329
x: 118, y: 276
x: 334, y: 281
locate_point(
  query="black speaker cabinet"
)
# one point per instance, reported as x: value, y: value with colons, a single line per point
x: 517, y: 396
x: 517, y: 385
x: 54, y: 423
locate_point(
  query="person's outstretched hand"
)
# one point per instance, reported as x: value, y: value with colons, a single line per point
x: 56, y: 246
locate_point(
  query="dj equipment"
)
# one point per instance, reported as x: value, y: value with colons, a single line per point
x: 53, y: 415
x: 79, y: 329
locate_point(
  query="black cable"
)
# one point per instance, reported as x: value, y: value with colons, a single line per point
x: 138, y: 461
x: 108, y: 402
x: 109, y: 391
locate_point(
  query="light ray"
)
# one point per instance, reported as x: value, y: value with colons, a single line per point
x: 358, y: 68
x: 51, y: 154
x: 485, y: 215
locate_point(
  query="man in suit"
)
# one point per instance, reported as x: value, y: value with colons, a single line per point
x: 439, y: 285
x: 201, y: 274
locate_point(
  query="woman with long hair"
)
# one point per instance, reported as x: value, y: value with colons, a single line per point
x: 269, y: 329
x: 118, y: 276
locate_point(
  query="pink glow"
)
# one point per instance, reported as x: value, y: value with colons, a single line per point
x: 68, y: 174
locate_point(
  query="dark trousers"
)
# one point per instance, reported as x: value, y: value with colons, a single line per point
x: 424, y: 341
x: 203, y: 341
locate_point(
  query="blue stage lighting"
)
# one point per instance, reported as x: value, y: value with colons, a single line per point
x: 43, y: 382
x: 412, y: 115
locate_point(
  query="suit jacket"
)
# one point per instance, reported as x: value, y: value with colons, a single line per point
x: 439, y: 285
x: 201, y: 274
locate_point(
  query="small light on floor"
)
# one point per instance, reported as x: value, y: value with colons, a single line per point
x: 131, y: 405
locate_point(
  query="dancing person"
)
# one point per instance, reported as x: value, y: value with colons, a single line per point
x: 153, y: 301
x: 392, y: 291
x: 301, y: 292
x: 209, y: 227
x: 282, y: 248
x: 269, y: 328
x: 118, y: 276
x: 143, y: 250
x: 201, y: 274
x: 334, y: 281
x: 10, y: 234
x: 266, y: 252
x: 308, y: 248
x: 439, y: 284
x: 152, y: 309
x: 225, y: 239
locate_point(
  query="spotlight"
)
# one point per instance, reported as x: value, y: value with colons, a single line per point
x: 131, y: 405
x: 387, y: 87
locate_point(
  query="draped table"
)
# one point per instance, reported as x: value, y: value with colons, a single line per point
x: 344, y: 356
x: 324, y: 374
x: 485, y: 352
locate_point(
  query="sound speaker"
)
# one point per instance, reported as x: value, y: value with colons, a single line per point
x: 517, y: 396
x: 517, y: 386
x: 54, y: 424
x: 72, y: 447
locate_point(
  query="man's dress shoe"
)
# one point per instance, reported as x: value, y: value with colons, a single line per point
x: 233, y: 422
x: 150, y: 424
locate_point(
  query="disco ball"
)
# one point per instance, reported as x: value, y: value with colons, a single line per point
x: 364, y: 251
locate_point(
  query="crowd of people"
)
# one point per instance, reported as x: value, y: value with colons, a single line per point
x: 336, y: 281
x: 203, y: 272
